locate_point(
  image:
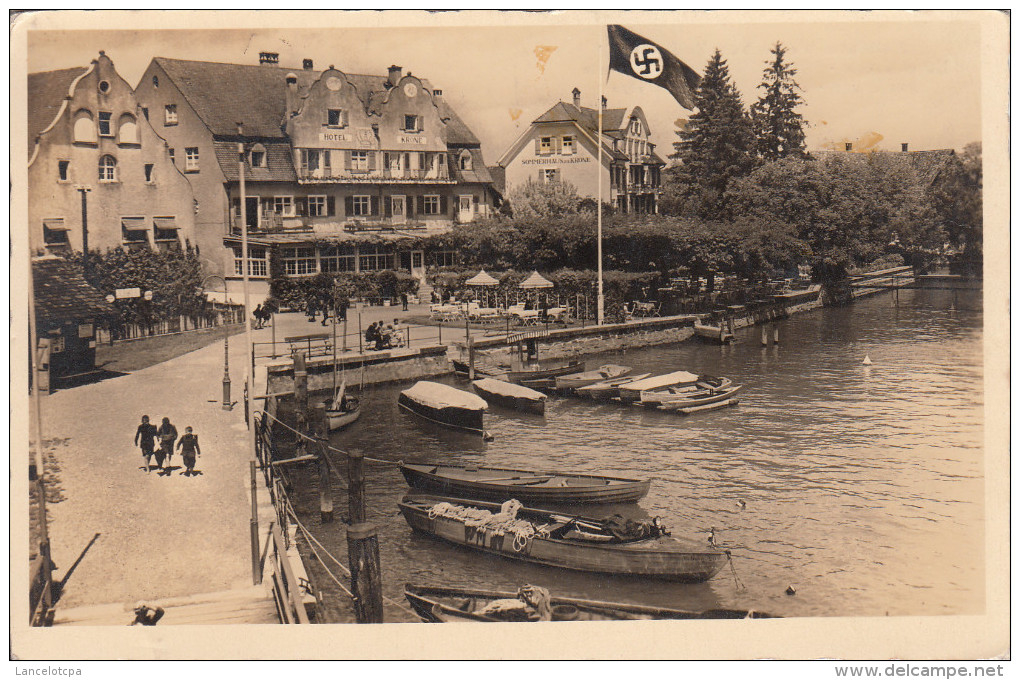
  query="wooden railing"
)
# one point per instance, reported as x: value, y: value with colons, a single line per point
x: 286, y: 589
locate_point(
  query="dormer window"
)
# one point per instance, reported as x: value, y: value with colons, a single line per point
x: 412, y: 123
x: 465, y: 160
x: 257, y: 157
x: 336, y: 118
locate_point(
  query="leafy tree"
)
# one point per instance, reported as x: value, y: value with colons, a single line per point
x: 715, y: 148
x: 778, y: 128
x: 543, y: 199
x: 957, y: 198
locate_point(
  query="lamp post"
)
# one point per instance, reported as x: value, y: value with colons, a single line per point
x: 84, y: 189
x: 226, y: 345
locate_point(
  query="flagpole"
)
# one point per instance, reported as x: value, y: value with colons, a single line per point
x: 598, y: 210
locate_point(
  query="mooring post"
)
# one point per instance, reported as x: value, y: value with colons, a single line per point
x: 300, y: 401
x: 362, y: 547
x: 775, y: 335
x: 764, y: 336
x: 471, y: 357
x: 321, y: 421
x: 467, y: 329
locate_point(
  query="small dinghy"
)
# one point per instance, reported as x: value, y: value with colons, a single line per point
x: 705, y: 386
x: 538, y: 374
x: 607, y: 389
x: 438, y: 604
x: 445, y: 405
x: 575, y: 380
x: 528, y: 486
x: 510, y: 395
x: 615, y: 545
x: 342, y: 410
x: 632, y: 391
x: 718, y: 334
x: 699, y: 398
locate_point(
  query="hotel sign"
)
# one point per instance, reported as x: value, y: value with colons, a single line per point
x: 362, y: 137
x: 420, y: 140
x: 555, y: 160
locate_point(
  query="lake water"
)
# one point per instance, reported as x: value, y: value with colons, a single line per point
x: 862, y: 486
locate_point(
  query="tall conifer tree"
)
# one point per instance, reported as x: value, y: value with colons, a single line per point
x: 716, y: 146
x: 778, y: 127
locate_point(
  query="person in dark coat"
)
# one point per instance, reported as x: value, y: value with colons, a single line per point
x: 403, y: 300
x: 257, y: 315
x: 145, y: 436
x: 189, y: 450
x: 167, y: 436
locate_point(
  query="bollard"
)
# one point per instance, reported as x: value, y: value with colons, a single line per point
x: 362, y: 547
x: 321, y: 421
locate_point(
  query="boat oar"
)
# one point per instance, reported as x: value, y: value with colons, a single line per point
x: 527, y: 480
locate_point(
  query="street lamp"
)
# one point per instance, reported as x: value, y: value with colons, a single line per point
x: 226, y: 345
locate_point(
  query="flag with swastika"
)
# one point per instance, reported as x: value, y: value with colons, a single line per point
x: 641, y: 58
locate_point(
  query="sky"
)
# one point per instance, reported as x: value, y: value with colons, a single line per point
x: 875, y: 83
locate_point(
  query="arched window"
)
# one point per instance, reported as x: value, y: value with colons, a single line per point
x: 258, y: 156
x: 127, y: 130
x: 107, y: 169
x: 84, y: 127
x: 465, y: 160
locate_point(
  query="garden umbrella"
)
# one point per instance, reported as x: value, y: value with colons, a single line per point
x: 535, y: 282
x: 482, y: 279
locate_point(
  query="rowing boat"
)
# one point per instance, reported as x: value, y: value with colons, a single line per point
x: 538, y: 373
x: 440, y: 604
x: 342, y: 410
x: 718, y: 334
x: 607, y: 389
x: 699, y: 398
x: 445, y: 405
x: 632, y: 391
x: 573, y: 381
x: 482, y: 370
x: 705, y: 385
x: 511, y: 395
x: 542, y: 488
x: 581, y: 544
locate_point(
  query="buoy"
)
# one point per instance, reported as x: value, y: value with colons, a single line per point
x: 487, y: 437
x: 741, y: 504
x: 867, y: 361
x: 711, y: 536
x: 790, y: 590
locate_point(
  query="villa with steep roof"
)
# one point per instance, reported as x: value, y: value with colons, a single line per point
x: 342, y: 171
x: 97, y: 171
x: 561, y: 145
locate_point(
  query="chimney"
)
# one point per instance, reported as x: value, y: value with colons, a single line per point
x: 269, y: 58
x: 394, y: 75
x: 577, y: 97
x: 849, y: 146
x: 605, y: 103
x: 904, y: 147
x: 292, y: 95
x: 307, y: 64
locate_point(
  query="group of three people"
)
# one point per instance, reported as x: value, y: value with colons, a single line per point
x: 384, y: 336
x: 147, y: 434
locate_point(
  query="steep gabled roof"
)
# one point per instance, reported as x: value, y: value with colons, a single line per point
x: 46, y: 92
x: 612, y: 119
x: 279, y: 163
x: 478, y: 172
x: 222, y: 94
x: 62, y: 294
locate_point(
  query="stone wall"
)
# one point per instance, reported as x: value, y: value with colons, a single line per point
x: 378, y: 367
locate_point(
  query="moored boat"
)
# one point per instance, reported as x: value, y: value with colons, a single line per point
x: 706, y: 385
x: 632, y: 391
x: 611, y: 546
x: 343, y: 415
x: 528, y: 486
x: 607, y: 389
x: 510, y: 395
x: 445, y: 405
x: 572, y: 381
x: 441, y: 604
x: 538, y: 373
x: 699, y: 398
x: 482, y: 370
x: 719, y: 334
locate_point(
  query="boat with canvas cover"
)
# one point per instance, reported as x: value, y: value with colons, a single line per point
x: 527, y: 486
x: 615, y: 545
x: 445, y: 405
x: 632, y: 391
x: 607, y: 389
x: 573, y: 381
x: 441, y: 604
x: 510, y: 395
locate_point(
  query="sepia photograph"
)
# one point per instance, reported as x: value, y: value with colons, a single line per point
x: 665, y: 332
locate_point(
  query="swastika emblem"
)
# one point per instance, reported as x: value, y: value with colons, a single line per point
x: 646, y: 61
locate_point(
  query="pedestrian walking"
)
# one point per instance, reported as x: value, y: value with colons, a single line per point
x: 167, y: 436
x: 145, y: 436
x: 403, y: 300
x: 189, y: 450
x: 257, y: 314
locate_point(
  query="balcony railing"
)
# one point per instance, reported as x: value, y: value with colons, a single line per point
x: 379, y: 175
x: 358, y: 225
